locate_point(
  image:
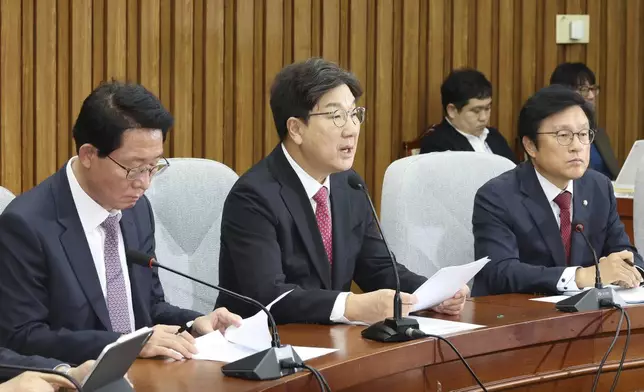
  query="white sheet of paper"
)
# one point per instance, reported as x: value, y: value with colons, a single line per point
x: 631, y: 296
x: 445, y: 283
x: 552, y: 299
x: 250, y: 337
x: 253, y: 332
x: 214, y: 347
x: 443, y: 327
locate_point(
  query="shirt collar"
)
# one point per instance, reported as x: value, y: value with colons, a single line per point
x: 91, y: 213
x: 482, y: 137
x: 550, y: 189
x: 311, y: 185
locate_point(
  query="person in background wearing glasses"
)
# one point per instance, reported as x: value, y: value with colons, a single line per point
x: 525, y: 220
x: 467, y: 102
x: 580, y: 78
x: 292, y: 222
x: 66, y: 288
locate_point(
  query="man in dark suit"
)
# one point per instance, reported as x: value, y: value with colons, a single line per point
x: 582, y: 79
x: 525, y: 219
x: 293, y: 223
x: 66, y: 288
x: 467, y: 101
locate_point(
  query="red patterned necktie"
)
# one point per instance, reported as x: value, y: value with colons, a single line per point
x: 323, y: 217
x: 563, y: 201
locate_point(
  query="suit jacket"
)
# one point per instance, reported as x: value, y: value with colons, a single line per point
x: 446, y: 138
x: 270, y: 243
x: 8, y: 357
x: 52, y: 303
x: 602, y: 142
x: 514, y: 225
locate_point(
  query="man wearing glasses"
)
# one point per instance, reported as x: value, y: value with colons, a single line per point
x: 292, y: 222
x: 526, y: 219
x: 582, y: 79
x: 66, y: 288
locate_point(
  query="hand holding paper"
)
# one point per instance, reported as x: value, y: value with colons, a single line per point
x: 445, y: 283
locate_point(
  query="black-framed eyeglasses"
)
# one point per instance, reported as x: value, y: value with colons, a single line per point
x: 341, y: 116
x: 585, y: 90
x: 138, y: 172
x: 566, y: 136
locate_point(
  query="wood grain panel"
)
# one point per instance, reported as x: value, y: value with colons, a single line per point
x: 63, y: 140
x: 45, y: 86
x: 214, y: 80
x: 10, y: 150
x: 27, y: 104
x: 212, y: 63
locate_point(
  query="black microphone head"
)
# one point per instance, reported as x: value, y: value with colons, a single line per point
x: 354, y: 182
x: 579, y: 227
x: 139, y: 258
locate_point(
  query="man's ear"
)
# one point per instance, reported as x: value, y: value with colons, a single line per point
x: 295, y: 128
x: 86, y: 155
x: 529, y: 146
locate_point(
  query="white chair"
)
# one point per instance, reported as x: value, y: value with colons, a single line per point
x: 638, y: 209
x: 187, y: 201
x: 427, y: 203
x: 5, y: 198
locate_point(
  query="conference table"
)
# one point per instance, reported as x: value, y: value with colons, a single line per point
x: 524, y: 345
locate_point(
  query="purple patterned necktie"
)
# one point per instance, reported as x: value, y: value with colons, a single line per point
x: 563, y: 201
x: 117, y: 305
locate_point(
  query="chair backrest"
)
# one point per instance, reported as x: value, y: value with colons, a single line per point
x: 638, y: 208
x: 187, y: 201
x: 5, y: 198
x: 412, y: 147
x: 427, y: 203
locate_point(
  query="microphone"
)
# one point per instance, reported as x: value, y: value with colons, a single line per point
x: 264, y: 365
x: 392, y: 329
x: 15, y: 370
x: 596, y: 298
x: 579, y: 228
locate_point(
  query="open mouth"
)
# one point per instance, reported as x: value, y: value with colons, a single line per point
x: 347, y: 150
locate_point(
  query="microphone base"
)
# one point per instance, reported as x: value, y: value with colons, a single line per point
x: 264, y: 365
x: 391, y: 330
x: 593, y: 299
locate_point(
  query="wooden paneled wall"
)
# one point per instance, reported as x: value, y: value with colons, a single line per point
x: 212, y: 63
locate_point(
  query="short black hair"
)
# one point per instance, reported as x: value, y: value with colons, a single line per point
x: 544, y: 103
x: 464, y: 84
x: 298, y: 87
x: 573, y: 75
x: 113, y: 108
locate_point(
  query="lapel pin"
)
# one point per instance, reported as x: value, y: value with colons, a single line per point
x: 585, y: 202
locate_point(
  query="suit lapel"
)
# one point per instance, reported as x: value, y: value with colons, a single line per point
x: 296, y: 201
x: 340, y: 210
x: 77, y: 249
x: 581, y: 208
x: 539, y: 208
x: 131, y: 241
x: 459, y: 141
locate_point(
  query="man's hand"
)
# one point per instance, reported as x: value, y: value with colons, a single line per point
x: 616, y: 268
x: 220, y: 319
x: 35, y: 382
x: 79, y: 373
x: 164, y: 342
x: 454, y: 306
x: 376, y: 305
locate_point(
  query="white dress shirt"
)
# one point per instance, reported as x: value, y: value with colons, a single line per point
x: 91, y: 215
x: 311, y: 187
x: 478, y: 143
x: 567, y: 280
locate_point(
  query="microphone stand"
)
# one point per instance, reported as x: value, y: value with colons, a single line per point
x: 270, y: 364
x: 391, y: 329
